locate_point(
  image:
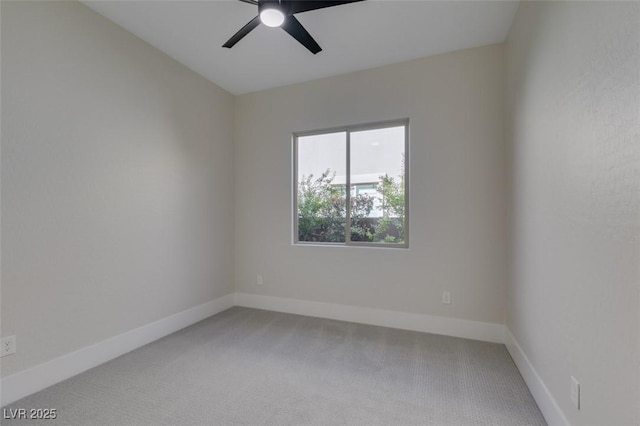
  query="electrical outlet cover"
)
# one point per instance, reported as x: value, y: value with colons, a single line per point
x: 7, y: 346
x: 575, y: 392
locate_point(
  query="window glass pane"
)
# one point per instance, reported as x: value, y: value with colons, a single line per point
x: 322, y: 169
x: 377, y: 185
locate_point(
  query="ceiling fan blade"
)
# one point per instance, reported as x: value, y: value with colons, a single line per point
x: 297, y: 31
x: 243, y: 32
x: 253, y: 2
x: 298, y: 6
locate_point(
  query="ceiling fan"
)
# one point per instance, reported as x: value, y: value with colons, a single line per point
x: 279, y: 13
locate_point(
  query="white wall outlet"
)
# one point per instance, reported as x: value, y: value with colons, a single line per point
x: 259, y: 280
x: 7, y: 346
x: 446, y: 297
x: 575, y: 392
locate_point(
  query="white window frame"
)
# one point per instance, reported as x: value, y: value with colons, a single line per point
x: 348, y: 130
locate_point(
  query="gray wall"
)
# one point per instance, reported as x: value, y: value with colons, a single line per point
x: 117, y: 193
x: 457, y: 178
x: 573, y: 125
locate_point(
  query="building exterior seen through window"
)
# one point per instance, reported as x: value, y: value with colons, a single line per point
x: 372, y: 162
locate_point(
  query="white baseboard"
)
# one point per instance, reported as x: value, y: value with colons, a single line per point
x: 551, y: 411
x: 485, y: 331
x: 41, y: 376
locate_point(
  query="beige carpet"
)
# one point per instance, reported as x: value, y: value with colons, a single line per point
x: 252, y: 367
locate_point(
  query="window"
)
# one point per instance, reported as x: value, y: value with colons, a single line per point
x: 371, y: 161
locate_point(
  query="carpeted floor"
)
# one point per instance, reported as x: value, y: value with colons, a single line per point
x: 253, y: 367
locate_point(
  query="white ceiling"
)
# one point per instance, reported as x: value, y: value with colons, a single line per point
x: 354, y: 36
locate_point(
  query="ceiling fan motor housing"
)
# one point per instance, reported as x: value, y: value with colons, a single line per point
x: 273, y: 4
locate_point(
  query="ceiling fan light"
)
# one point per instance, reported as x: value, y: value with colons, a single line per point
x: 272, y: 17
